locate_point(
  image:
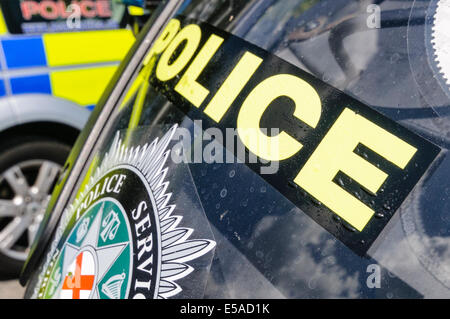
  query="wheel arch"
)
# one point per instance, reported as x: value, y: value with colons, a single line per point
x: 41, y: 115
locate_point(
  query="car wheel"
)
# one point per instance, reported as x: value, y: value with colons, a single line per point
x: 29, y: 169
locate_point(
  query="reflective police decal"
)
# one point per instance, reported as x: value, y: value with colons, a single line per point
x: 344, y: 164
x: 126, y: 241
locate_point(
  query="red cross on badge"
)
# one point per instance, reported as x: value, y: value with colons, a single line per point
x: 80, y: 277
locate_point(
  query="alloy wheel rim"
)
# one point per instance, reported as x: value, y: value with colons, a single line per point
x: 25, y: 192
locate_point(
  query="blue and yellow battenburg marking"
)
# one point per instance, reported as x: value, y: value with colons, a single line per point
x: 73, y: 65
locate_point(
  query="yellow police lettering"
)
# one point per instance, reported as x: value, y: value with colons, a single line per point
x: 307, y: 109
x: 336, y: 153
x: 190, y: 34
x: 188, y: 85
x: 232, y: 86
x: 164, y: 39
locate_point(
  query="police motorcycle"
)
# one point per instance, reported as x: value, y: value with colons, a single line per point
x: 261, y: 149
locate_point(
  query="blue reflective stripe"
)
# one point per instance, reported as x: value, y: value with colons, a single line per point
x: 2, y: 88
x: 31, y: 84
x: 24, y: 52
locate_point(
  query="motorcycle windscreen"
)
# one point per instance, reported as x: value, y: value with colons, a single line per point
x: 256, y: 134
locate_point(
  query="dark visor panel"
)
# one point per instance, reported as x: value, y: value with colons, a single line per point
x: 345, y: 165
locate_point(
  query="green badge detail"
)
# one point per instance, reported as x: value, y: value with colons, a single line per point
x: 95, y: 260
x: 123, y: 237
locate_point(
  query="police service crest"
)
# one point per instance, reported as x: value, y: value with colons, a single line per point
x: 441, y: 41
x: 115, y: 242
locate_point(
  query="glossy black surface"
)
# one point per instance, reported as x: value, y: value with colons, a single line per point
x: 266, y: 246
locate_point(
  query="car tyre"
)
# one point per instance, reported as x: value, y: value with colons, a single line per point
x: 29, y: 168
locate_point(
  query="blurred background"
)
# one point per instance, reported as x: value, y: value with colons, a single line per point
x: 57, y: 57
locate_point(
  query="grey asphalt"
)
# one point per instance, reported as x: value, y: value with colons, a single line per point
x: 11, y: 289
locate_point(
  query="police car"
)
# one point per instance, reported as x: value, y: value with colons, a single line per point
x: 56, y: 58
x: 262, y: 149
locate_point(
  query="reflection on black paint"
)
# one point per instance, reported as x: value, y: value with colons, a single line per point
x: 300, y: 258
